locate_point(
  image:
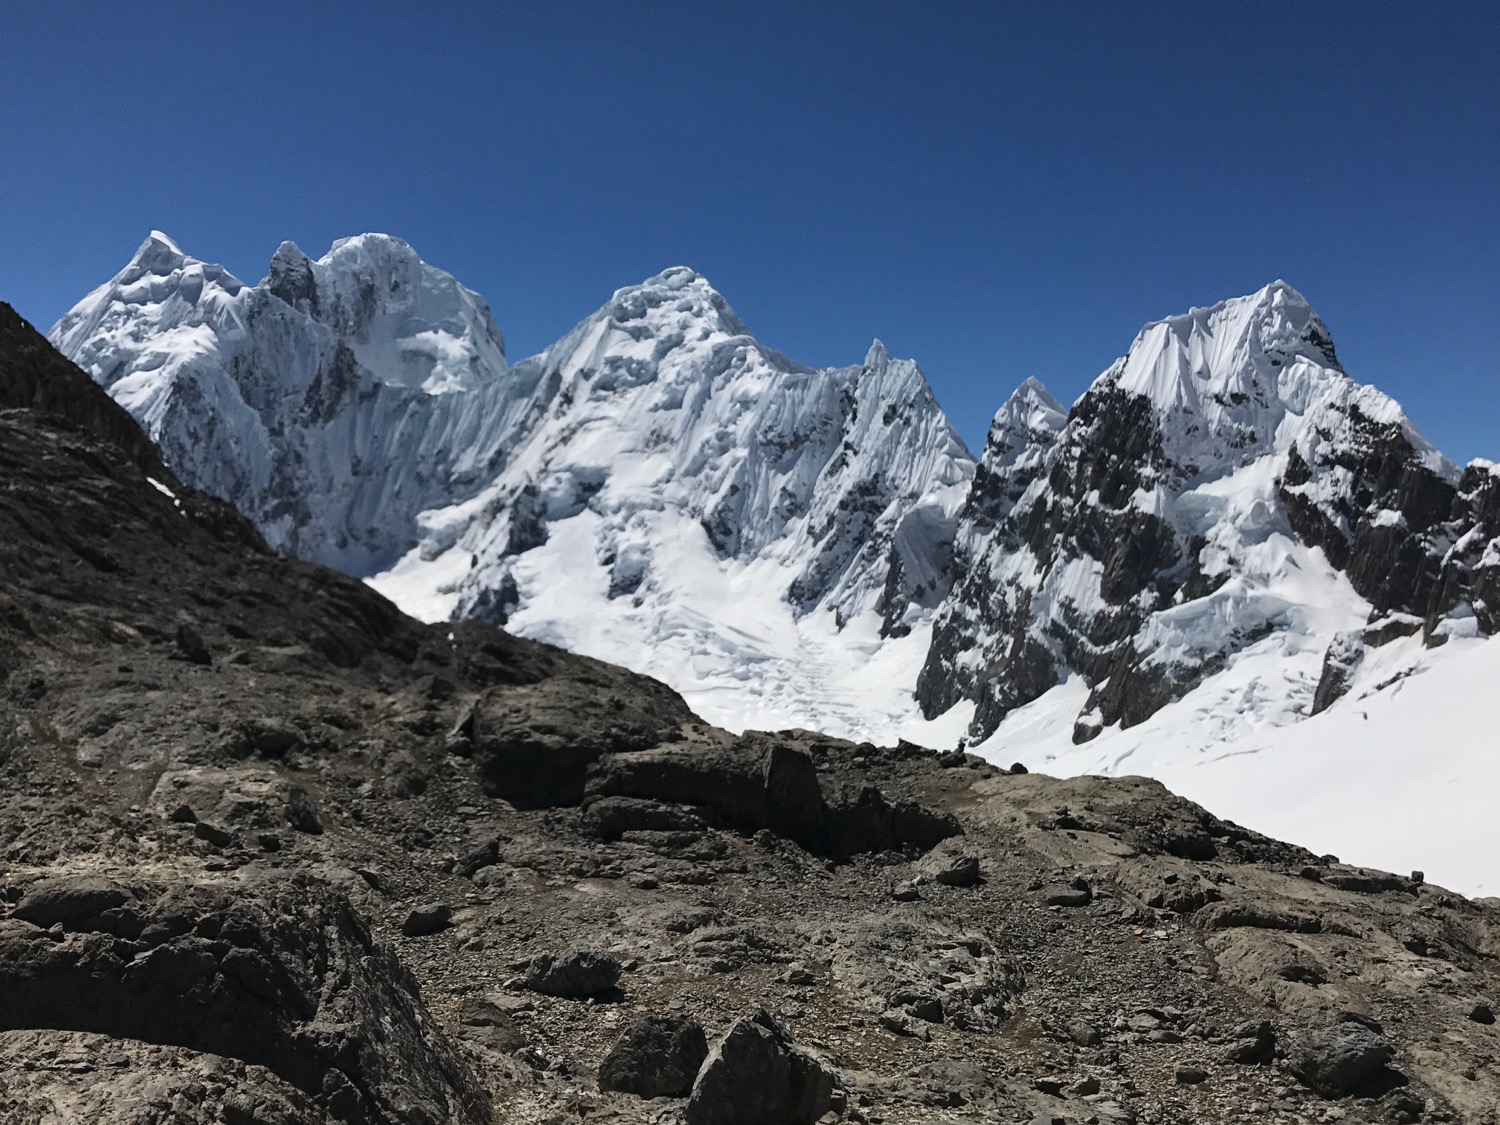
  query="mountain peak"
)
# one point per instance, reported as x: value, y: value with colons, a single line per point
x: 671, y: 295
x: 290, y: 277
x: 1033, y: 389
x: 1030, y: 416
x: 1230, y: 357
x: 371, y: 243
x: 158, y: 254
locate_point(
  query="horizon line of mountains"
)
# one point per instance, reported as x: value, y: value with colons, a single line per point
x: 661, y: 490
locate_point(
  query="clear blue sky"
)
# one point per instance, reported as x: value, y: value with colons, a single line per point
x: 996, y: 191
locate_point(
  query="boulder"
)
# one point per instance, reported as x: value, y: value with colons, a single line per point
x: 1254, y: 1043
x: 266, y: 737
x: 950, y: 867
x: 430, y: 918
x: 575, y: 974
x: 756, y: 1075
x: 655, y: 1057
x: 1076, y: 894
x: 1342, y: 1059
x: 302, y: 813
x: 69, y: 900
x: 213, y: 833
x: 191, y: 646
x: 1084, y: 1033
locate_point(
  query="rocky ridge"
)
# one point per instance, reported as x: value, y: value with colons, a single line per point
x: 238, y: 779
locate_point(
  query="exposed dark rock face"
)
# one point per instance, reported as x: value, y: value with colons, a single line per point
x: 657, y: 1056
x: 758, y: 783
x: 33, y: 376
x: 217, y: 968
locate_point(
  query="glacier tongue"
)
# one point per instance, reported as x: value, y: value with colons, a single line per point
x: 652, y: 477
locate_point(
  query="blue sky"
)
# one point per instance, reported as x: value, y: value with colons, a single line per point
x: 994, y: 190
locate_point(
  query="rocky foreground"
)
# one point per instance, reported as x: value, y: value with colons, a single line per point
x: 275, y: 854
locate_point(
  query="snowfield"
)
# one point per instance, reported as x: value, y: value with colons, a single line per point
x: 1399, y: 775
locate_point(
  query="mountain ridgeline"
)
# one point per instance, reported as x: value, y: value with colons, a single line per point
x: 660, y: 489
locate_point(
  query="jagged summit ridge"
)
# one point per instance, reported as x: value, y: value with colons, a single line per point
x: 305, y: 399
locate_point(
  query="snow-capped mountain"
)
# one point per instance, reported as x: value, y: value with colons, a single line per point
x: 1224, y: 518
x: 1223, y: 496
x: 657, y: 488
x: 331, y: 403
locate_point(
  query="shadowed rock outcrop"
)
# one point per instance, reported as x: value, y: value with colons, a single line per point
x: 277, y: 972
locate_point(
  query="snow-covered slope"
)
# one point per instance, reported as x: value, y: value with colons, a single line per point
x: 1400, y: 774
x: 331, y: 403
x: 1224, y: 496
x: 657, y: 488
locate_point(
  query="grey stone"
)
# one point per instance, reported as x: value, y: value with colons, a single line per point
x: 1076, y: 894
x: 1084, y: 1033
x: 950, y: 867
x: 655, y: 1057
x: 574, y: 974
x: 1341, y: 1059
x: 1254, y: 1043
x: 302, y: 813
x: 191, y: 647
x: 69, y: 899
x: 427, y: 919
x: 218, y: 837
x: 756, y: 1075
